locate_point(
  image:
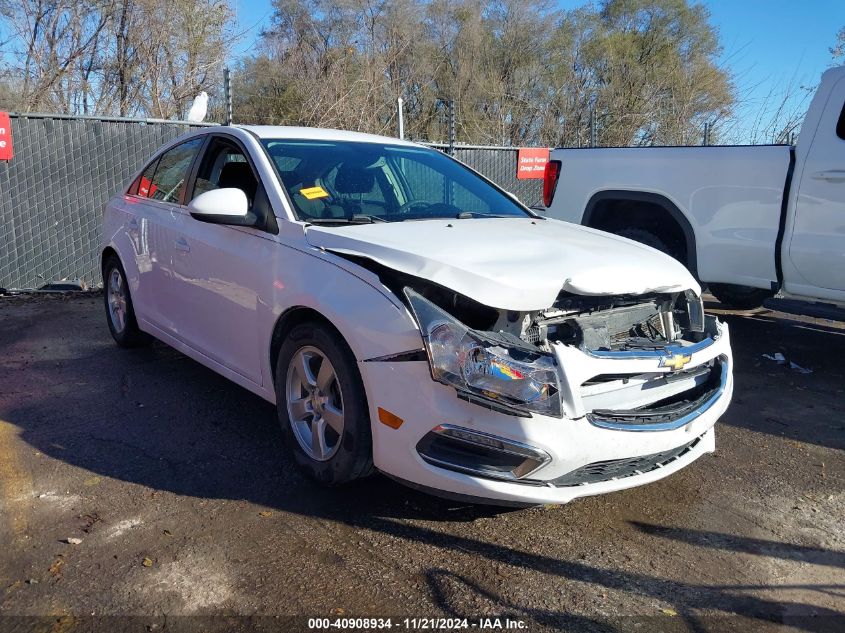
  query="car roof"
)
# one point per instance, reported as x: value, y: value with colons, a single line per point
x: 318, y: 134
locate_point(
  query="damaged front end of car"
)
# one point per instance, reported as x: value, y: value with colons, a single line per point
x: 632, y: 362
x: 493, y: 367
x: 607, y: 324
x: 625, y: 363
x: 542, y: 362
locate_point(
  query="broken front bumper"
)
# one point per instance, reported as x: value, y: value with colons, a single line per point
x: 629, y: 419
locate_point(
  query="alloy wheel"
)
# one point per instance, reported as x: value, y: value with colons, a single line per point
x: 314, y: 403
x: 117, y: 300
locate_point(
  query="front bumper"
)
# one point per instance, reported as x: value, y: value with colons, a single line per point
x: 585, y: 456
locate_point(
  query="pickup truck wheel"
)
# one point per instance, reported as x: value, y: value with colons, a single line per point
x: 644, y: 236
x: 120, y: 313
x: 740, y: 297
x: 322, y: 406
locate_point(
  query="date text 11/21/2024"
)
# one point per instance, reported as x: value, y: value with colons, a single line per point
x: 418, y: 624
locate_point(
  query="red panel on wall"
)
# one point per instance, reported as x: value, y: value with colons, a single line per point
x: 6, y: 152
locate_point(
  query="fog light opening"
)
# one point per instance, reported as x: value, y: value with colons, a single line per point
x: 480, y: 454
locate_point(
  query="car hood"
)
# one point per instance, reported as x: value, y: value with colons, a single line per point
x: 510, y: 263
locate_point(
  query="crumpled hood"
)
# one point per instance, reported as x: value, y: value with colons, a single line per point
x: 510, y: 263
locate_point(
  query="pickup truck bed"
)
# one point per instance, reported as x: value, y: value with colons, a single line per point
x: 733, y: 210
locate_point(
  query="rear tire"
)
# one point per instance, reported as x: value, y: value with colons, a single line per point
x: 740, y: 297
x: 120, y: 313
x: 322, y: 406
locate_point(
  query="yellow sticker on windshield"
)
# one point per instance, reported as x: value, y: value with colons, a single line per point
x: 314, y: 192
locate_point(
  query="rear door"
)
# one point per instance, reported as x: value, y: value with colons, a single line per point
x: 817, y: 248
x: 157, y: 199
x: 222, y: 272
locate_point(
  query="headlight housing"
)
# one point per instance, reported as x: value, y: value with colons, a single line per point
x: 494, y: 367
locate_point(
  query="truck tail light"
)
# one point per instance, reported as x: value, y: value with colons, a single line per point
x: 550, y: 177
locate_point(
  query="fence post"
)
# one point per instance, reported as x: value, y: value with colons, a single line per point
x: 400, y: 112
x: 453, y: 132
x: 706, y: 139
x: 227, y: 95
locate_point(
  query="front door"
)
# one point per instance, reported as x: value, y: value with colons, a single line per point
x: 817, y: 248
x: 222, y: 272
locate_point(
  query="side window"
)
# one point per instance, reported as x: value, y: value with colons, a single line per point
x: 165, y: 179
x: 144, y: 182
x: 840, y: 124
x: 224, y: 165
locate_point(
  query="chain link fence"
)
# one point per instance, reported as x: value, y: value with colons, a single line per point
x: 499, y: 165
x: 65, y: 169
x: 53, y: 191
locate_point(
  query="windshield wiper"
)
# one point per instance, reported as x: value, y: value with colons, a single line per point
x: 467, y: 215
x: 358, y: 218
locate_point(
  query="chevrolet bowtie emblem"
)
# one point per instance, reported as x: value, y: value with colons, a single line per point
x: 675, y: 361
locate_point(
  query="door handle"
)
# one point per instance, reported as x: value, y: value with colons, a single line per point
x: 182, y: 245
x: 832, y: 175
x: 132, y: 225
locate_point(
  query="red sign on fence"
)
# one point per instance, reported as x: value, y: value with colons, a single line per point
x: 5, y: 137
x: 531, y: 162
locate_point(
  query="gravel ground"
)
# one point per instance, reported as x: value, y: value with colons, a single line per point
x: 172, y: 479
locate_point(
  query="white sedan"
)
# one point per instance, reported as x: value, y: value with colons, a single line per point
x: 407, y: 315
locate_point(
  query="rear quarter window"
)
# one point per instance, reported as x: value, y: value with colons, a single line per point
x: 165, y: 178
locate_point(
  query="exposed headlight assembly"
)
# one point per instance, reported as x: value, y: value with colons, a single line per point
x: 482, y: 364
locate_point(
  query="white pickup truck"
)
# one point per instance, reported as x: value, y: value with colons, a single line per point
x: 748, y: 221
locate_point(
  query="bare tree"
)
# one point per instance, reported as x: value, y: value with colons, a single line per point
x: 519, y: 72
x: 127, y: 57
x: 54, y: 37
x: 837, y: 51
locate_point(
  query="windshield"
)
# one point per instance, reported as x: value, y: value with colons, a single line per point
x: 340, y: 181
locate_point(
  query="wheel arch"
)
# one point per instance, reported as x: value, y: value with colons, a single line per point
x: 289, y: 319
x: 108, y: 251
x: 601, y: 212
x: 367, y: 317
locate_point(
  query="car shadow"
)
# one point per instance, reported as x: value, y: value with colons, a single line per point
x: 733, y: 543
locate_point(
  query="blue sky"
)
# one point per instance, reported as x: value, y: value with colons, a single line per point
x: 775, y: 46
x: 768, y: 45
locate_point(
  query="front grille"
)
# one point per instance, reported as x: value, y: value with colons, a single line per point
x: 672, y: 412
x: 621, y: 468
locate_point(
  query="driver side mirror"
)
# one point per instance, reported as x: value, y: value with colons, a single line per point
x: 222, y: 206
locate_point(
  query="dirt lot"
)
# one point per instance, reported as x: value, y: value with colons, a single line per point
x: 172, y: 479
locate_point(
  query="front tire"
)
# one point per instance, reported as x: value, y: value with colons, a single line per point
x: 120, y: 313
x: 740, y: 297
x: 322, y: 406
